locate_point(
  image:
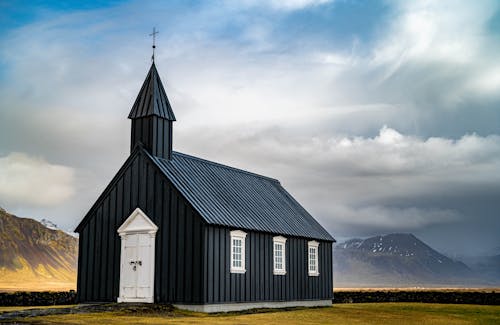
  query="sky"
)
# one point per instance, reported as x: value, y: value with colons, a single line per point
x: 378, y: 116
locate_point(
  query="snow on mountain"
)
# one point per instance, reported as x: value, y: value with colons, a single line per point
x: 49, y: 224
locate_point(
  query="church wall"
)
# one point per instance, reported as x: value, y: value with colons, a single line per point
x: 178, y: 257
x: 258, y: 282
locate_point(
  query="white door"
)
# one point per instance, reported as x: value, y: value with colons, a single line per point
x: 128, y: 274
x: 137, y: 259
x: 145, y: 269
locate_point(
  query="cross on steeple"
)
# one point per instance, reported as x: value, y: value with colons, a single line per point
x: 154, y: 42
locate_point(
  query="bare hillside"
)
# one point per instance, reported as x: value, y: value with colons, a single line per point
x: 34, y: 257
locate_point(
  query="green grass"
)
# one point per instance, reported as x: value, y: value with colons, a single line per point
x: 370, y: 313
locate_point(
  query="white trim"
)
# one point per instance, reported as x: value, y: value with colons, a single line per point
x: 217, y: 308
x: 147, y: 226
x: 282, y: 241
x: 313, y: 244
x: 238, y: 235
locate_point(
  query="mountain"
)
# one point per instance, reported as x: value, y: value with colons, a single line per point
x: 35, y: 257
x: 487, y: 266
x: 397, y: 260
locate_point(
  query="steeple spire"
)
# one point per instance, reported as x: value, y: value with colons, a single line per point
x: 152, y: 117
x: 152, y: 98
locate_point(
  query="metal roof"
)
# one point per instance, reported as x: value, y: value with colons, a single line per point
x: 152, y: 98
x: 236, y: 198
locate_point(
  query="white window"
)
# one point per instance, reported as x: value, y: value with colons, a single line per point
x: 279, y: 250
x: 238, y: 251
x: 312, y: 248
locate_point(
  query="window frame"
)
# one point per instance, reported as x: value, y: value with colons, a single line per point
x: 313, y: 245
x: 238, y: 235
x: 281, y: 241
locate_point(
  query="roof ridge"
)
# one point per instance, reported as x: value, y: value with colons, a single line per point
x: 225, y: 166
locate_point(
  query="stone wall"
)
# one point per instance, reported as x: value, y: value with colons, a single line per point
x: 44, y: 298
x: 431, y: 296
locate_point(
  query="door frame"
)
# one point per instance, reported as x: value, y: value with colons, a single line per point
x: 137, y: 223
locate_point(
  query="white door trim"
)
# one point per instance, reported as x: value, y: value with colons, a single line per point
x: 139, y: 224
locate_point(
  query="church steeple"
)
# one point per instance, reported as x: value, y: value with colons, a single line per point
x: 152, y: 117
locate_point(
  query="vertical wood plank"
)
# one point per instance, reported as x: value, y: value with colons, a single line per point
x: 206, y: 241
x: 104, y: 255
x: 227, y: 265
x: 188, y: 260
x: 97, y: 275
x: 135, y: 186
x: 165, y: 252
x: 181, y: 240
x: 248, y: 274
x: 120, y: 204
x: 111, y: 245
x: 267, y: 275
x: 216, y: 255
x: 160, y: 138
x: 154, y: 136
x: 210, y: 262
x: 158, y: 219
x: 197, y: 259
x: 173, y: 247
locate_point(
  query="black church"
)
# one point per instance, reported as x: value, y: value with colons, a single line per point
x: 174, y: 228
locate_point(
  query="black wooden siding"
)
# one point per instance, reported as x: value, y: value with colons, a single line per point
x: 259, y: 283
x: 178, y: 258
x: 155, y: 134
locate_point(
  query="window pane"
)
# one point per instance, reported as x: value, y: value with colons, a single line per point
x: 312, y: 259
x: 237, y: 253
x: 278, y: 256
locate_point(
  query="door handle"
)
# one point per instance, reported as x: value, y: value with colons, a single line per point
x: 135, y: 263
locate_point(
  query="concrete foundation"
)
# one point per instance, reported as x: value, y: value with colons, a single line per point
x: 217, y: 308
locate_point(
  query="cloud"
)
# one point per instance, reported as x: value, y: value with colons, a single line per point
x: 443, y: 31
x: 440, y: 41
x: 372, y: 219
x: 26, y: 180
x: 389, y: 153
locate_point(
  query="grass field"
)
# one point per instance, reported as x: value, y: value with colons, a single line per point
x: 14, y: 308
x: 372, y: 313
